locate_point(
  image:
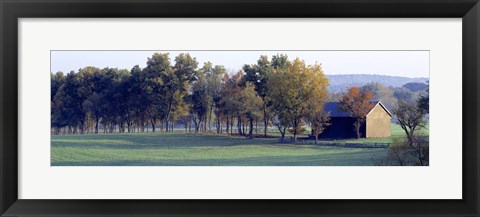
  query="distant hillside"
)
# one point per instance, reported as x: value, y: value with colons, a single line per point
x: 416, y: 86
x: 340, y: 83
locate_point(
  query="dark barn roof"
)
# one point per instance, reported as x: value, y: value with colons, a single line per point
x: 336, y: 111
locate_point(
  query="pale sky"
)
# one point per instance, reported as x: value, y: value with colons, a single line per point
x: 395, y: 63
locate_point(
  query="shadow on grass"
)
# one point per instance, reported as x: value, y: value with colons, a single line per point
x: 153, y: 141
x: 352, y: 159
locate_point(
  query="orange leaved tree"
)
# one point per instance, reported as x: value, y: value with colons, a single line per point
x: 357, y: 104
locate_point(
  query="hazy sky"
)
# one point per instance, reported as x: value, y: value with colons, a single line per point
x: 396, y: 63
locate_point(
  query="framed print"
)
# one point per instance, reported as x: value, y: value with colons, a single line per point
x: 230, y: 108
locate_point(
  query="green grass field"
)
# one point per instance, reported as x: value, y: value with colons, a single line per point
x: 179, y: 149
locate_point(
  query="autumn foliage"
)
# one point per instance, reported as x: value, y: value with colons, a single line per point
x: 357, y: 103
x: 297, y: 92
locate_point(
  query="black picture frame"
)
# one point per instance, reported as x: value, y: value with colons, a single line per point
x: 12, y: 10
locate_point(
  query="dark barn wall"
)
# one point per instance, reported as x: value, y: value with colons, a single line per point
x: 342, y: 128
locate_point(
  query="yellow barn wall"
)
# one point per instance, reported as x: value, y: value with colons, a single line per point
x: 378, y: 123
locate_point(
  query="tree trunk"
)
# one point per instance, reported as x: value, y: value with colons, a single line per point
x: 250, y: 130
x: 218, y: 124
x: 282, y: 132
x: 228, y: 125
x: 420, y: 157
x: 153, y: 125
x: 239, y: 124
x: 205, y: 124
x: 295, y: 130
x: 210, y: 118
x: 190, y: 124
x: 143, y: 123
x: 221, y: 126
x: 256, y: 126
x: 82, y: 124
x: 231, y: 125
x: 265, y: 121
x: 97, y: 119
x: 170, y: 101
x: 357, y: 128
x: 243, y: 128
x: 197, y: 125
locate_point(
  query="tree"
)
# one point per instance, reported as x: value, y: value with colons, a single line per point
x: 57, y: 119
x: 381, y: 93
x: 280, y: 62
x: 402, y: 93
x: 199, y: 100
x: 57, y: 81
x: 399, y: 153
x: 319, y: 120
x: 414, y: 150
x: 95, y: 84
x: 127, y: 98
x: 68, y: 101
x: 252, y: 105
x: 93, y: 105
x: 293, y: 90
x: 90, y: 97
x: 357, y: 104
x: 282, y: 122
x: 238, y: 97
x: 141, y: 95
x: 214, y: 77
x: 280, y: 95
x: 411, y: 118
x: 424, y: 101
x: 180, y: 110
x: 176, y: 83
x: 112, y: 99
x: 88, y: 79
x: 230, y: 103
x: 258, y: 75
x: 159, y: 80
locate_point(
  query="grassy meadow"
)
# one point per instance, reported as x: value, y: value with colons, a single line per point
x: 180, y: 149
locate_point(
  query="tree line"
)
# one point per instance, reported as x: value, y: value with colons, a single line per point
x: 278, y: 91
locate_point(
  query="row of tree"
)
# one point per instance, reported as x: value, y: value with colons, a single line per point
x: 285, y: 93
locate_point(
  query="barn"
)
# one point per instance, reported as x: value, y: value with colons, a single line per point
x: 377, y: 123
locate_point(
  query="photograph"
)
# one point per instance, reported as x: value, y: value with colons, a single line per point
x: 239, y: 107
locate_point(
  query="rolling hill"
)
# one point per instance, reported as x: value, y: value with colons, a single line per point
x: 340, y: 83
